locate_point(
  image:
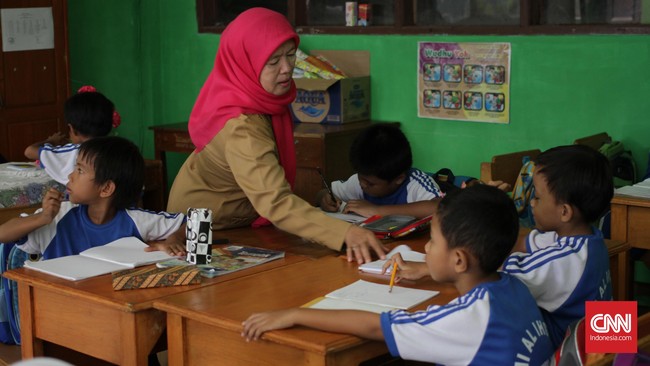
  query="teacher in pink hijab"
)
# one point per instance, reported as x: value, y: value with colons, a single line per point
x: 244, y: 164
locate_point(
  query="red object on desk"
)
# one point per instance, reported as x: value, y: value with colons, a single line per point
x: 395, y: 226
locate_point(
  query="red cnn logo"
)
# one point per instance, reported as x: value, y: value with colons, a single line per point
x: 610, y: 327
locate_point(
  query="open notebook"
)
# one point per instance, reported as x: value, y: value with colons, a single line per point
x: 118, y: 255
x: 405, y: 251
x: 368, y: 296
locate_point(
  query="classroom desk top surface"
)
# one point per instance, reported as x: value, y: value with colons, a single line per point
x: 206, y: 324
x: 121, y: 327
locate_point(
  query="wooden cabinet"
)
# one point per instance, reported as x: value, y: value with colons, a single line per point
x: 34, y: 85
x: 324, y: 147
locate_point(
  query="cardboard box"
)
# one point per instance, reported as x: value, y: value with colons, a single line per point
x: 336, y: 101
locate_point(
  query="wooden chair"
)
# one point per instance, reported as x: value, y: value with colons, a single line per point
x: 594, y: 141
x: 9, y: 213
x: 506, y: 167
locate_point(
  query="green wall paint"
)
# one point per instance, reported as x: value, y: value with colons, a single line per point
x: 148, y: 57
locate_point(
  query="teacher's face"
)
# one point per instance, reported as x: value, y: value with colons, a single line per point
x: 278, y: 70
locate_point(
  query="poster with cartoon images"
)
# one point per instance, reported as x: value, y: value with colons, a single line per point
x: 464, y: 81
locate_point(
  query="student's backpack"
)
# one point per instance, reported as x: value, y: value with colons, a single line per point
x: 10, y: 258
x: 622, y: 163
x: 523, y: 192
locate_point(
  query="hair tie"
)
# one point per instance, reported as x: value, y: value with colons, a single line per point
x: 117, y: 119
x: 87, y: 89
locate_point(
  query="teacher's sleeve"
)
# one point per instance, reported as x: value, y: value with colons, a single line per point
x: 251, y: 154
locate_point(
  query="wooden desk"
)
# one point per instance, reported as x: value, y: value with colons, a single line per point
x: 120, y: 327
x: 317, y: 146
x: 205, y: 325
x: 630, y: 218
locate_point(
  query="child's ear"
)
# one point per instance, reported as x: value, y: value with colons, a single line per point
x: 400, y: 179
x: 566, y: 212
x: 461, y: 260
x: 107, y: 189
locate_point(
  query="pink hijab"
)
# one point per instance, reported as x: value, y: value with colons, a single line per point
x: 233, y: 86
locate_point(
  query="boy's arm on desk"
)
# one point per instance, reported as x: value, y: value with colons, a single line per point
x: 418, y: 209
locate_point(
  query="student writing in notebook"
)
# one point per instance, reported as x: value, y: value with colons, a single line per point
x: 103, y: 188
x: 385, y: 182
x: 565, y: 260
x: 88, y: 114
x: 494, y: 321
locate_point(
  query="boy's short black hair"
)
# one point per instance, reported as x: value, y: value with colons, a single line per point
x: 119, y: 160
x: 381, y: 150
x: 580, y: 176
x: 89, y: 113
x: 481, y: 219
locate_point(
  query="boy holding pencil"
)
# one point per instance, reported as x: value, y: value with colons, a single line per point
x: 494, y: 321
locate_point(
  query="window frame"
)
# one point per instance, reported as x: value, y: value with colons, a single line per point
x: 530, y: 14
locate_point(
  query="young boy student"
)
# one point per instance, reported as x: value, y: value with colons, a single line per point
x: 566, y: 261
x: 384, y: 183
x: 494, y: 321
x: 105, y: 184
x: 89, y: 114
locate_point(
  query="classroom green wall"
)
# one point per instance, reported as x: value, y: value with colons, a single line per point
x: 148, y: 57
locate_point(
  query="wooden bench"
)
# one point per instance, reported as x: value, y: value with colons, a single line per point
x: 506, y: 167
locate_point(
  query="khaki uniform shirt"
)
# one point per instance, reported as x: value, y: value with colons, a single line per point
x: 239, y: 177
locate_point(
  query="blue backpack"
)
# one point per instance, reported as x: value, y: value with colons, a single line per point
x: 10, y: 257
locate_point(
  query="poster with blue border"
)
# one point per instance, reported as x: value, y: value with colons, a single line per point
x: 464, y: 81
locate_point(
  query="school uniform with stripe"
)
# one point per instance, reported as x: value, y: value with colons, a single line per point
x: 58, y: 161
x: 562, y: 273
x: 496, y: 323
x: 418, y: 186
x: 71, y: 232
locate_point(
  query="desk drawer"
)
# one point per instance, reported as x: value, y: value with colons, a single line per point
x: 175, y: 141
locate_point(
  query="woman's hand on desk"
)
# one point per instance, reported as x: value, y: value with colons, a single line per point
x: 359, y: 241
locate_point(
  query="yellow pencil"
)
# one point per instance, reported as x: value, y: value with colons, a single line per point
x: 392, y: 277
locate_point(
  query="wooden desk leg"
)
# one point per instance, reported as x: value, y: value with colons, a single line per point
x: 140, y: 332
x: 175, y: 341
x: 619, y: 222
x: 623, y: 276
x: 30, y: 346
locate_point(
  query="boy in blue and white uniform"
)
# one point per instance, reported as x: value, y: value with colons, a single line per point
x: 566, y: 261
x: 494, y: 321
x: 105, y: 183
x: 385, y: 182
x: 89, y: 114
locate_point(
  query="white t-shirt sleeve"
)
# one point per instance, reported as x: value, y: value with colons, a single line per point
x: 440, y: 333
x: 37, y: 241
x: 550, y: 271
x: 58, y: 161
x: 348, y: 190
x: 156, y: 225
x: 421, y: 187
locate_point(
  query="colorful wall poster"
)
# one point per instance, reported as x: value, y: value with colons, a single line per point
x: 464, y: 81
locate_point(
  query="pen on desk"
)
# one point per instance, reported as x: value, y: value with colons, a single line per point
x: 392, y: 277
x: 327, y: 186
